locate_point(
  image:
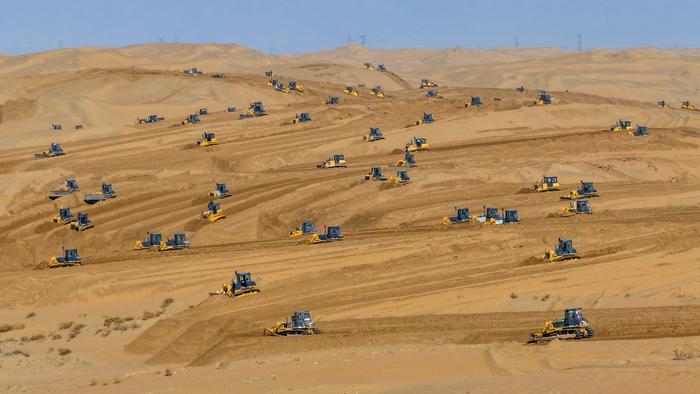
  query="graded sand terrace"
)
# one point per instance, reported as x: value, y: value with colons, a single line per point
x: 404, y: 303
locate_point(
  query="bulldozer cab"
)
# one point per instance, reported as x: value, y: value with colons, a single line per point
x: 376, y: 173
x: 71, y: 255
x: 308, y: 227
x: 333, y: 232
x: 380, y: 67
x: 511, y: 216
x: 304, y: 117
x: 520, y: 89
x: 193, y: 118
x: 302, y: 319
x: 431, y: 93
x: 107, y: 189
x: 222, y: 189
x: 181, y: 239
x: 409, y: 159
x: 244, y: 279
x: 203, y: 111
x: 624, y: 123
x: 427, y: 118
x: 56, y: 148
x: 587, y: 187
x: 154, y: 239
x: 332, y: 100
x: 565, y: 247
x: 213, y: 206
x: 403, y: 177
x: 492, y: 213
x: 463, y: 214
x: 268, y: 73
x: 208, y: 135
x: 339, y: 158
x: 574, y: 317
x: 83, y: 218
x: 545, y: 97
x: 72, y: 185
x: 550, y: 180
x: 64, y: 214
x: 640, y: 131
x: 583, y: 206
x: 375, y: 134
x: 476, y: 101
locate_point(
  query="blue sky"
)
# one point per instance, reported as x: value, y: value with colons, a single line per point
x: 279, y: 26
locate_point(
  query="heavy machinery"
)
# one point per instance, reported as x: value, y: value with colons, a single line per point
x: 332, y: 234
x: 306, y: 228
x: 81, y: 222
x: 546, y: 184
x: 401, y: 178
x: 217, y: 75
x: 369, y: 66
x: 255, y: 109
x: 381, y: 68
x: 272, y: 83
x: 79, y: 126
x: 417, y: 144
x: 622, y: 125
x: 203, y: 111
x: 300, y: 324
x: 639, y: 131
x: 293, y: 85
x: 374, y: 135
x: 375, y: 174
x: 543, y: 98
x: 281, y: 88
x: 241, y: 285
x: 208, y: 138
x: 663, y: 104
x: 572, y: 326
x: 510, y: 216
x: 70, y: 258
x: 332, y: 100
x: 54, y: 150
x: 433, y: 94
x: 520, y: 89
x: 586, y: 190
x: 490, y: 216
x: 351, y: 90
x: 150, y: 119
x: 268, y: 73
x: 221, y: 191
x: 686, y: 105
x: 213, y: 212
x: 377, y: 91
x: 154, y: 240
x: 426, y: 83
x: 179, y: 241
x: 230, y: 109
x: 576, y: 207
x: 191, y: 119
x: 70, y: 186
x: 408, y: 160
x: 475, y: 101
x: 335, y: 161
x: 563, y: 251
x: 194, y: 71
x: 64, y: 216
x: 105, y: 193
x: 426, y: 119
x: 302, y: 118
x: 56, y: 127
x: 462, y: 216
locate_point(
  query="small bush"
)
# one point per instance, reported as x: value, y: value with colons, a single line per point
x: 681, y: 355
x: 513, y: 295
x: 76, y: 330
x: 30, y: 314
x: 17, y: 353
x: 168, y: 372
x: 10, y: 327
x: 64, y: 352
x: 65, y: 325
x: 166, y: 303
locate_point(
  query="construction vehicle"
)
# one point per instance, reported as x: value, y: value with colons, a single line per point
x: 230, y: 109
x: 64, y: 216
x: 213, y: 212
x: 426, y: 119
x: 54, y: 150
x: 56, y: 127
x: 272, y: 83
x: 462, y: 216
x: 217, y: 75
x: 81, y: 222
x: 255, y: 109
x: 268, y: 73
x: 425, y: 83
x: 70, y: 186
x: 475, y: 101
x: 418, y: 144
x: 433, y: 94
x: 520, y: 89
x: 301, y: 324
x: 332, y: 234
x: 369, y: 66
x: 510, y: 216
x: 335, y: 161
x: 203, y: 111
x: 351, y: 90
x: 332, y: 100
x: 208, y: 138
x: 150, y: 119
x: 586, y: 190
x: 79, y: 126
x: 490, y: 216
x: 70, y: 258
x: 408, y: 160
x: 563, y: 251
x: 194, y: 71
x: 374, y: 135
x: 306, y: 228
x: 241, y: 285
x: 543, y: 98
x: 191, y: 119
x: 221, y: 191
x: 622, y: 125
x: 572, y: 326
x: 293, y: 85
x: 302, y: 118
x: 576, y: 207
x: 381, y: 68
x: 281, y: 88
x: 179, y: 241
x: 663, y: 104
x: 377, y: 91
x: 105, y: 192
x: 686, y: 105
x: 546, y: 184
x: 154, y: 240
x: 375, y: 174
x: 401, y: 178
x: 639, y: 131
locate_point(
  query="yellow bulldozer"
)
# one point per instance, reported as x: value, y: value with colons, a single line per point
x: 686, y: 105
x: 572, y: 326
x: 301, y: 324
x: 622, y: 125
x: 213, y: 212
x: 401, y: 178
x: 426, y: 83
x: 351, y: 90
x: 335, y: 161
x: 586, y: 190
x: 547, y: 184
x: 208, y: 138
x: 576, y: 207
x: 417, y: 144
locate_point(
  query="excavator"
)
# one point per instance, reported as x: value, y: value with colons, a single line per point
x: 221, y: 191
x: 105, y: 192
x: 686, y: 105
x: 300, y: 324
x: 462, y: 216
x: 374, y: 135
x: 417, y: 144
x: 64, y: 216
x: 70, y: 258
x: 332, y: 234
x: 154, y: 240
x: 335, y: 161
x: 622, y: 125
x: 543, y: 98
x: 179, y: 241
x: 426, y: 119
x: 208, y: 138
x: 586, y: 190
x: 70, y: 186
x: 401, y: 178
x: 293, y: 85
x: 351, y: 90
x: 563, y: 251
x: 377, y: 91
x: 54, y: 150
x: 426, y: 83
x: 547, y: 184
x: 302, y: 118
x: 576, y: 207
x: 572, y: 326
x: 241, y: 285
x: 375, y: 174
x: 213, y: 212
x: 81, y: 223
x: 306, y: 228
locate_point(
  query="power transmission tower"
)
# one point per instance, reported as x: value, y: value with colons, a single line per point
x: 580, y: 41
x: 517, y: 42
x: 349, y: 39
x: 362, y: 39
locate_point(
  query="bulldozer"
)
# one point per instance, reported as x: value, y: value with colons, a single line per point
x: 639, y: 131
x: 332, y: 234
x: 150, y: 119
x: 281, y: 88
x: 369, y: 66
x: 218, y: 75
x: 377, y: 91
x: 221, y: 191
x: 426, y: 83
x: 375, y: 174
x: 332, y: 100
x: 70, y: 258
x: 520, y: 89
x: 401, y: 178
x: 474, y: 102
x: 54, y: 150
x: 300, y: 324
x: 306, y: 228
x: 426, y: 119
x: 433, y: 94
x: 572, y: 326
x: 81, y: 222
x: 268, y: 73
x: 417, y: 144
x: 381, y: 68
x: 622, y: 125
x: 351, y: 90
x: 490, y: 216
x: 203, y: 111
x: 213, y: 212
x: 208, y: 138
x: 563, y: 251
x: 547, y: 184
x: 64, y: 216
x: 105, y: 193
x: 56, y: 127
x: 335, y: 161
x: 663, y: 104
x: 462, y: 216
x: 408, y: 160
x: 194, y: 71
x: 543, y: 98
x: 154, y: 240
x: 272, y: 83
x: 510, y: 216
x: 302, y: 118
x: 576, y: 207
x: 686, y: 105
x: 70, y: 186
x: 374, y: 135
x: 179, y: 241
x: 241, y: 285
x: 586, y: 190
x: 255, y: 109
x: 191, y: 119
x: 293, y: 85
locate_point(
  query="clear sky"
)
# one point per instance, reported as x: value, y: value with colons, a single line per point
x: 280, y: 26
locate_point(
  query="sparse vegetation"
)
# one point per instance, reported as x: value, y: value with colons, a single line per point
x: 64, y: 352
x: 65, y: 325
x: 513, y: 295
x: 17, y: 352
x: 682, y: 355
x: 166, y: 303
x: 76, y: 330
x: 10, y: 327
x: 34, y: 338
x: 30, y: 314
x: 168, y: 372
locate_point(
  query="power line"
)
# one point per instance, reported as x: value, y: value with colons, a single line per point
x: 579, y: 44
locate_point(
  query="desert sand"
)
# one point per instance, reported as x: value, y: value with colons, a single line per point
x: 405, y: 304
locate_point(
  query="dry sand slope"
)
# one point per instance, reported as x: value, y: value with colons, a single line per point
x: 435, y: 308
